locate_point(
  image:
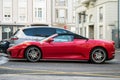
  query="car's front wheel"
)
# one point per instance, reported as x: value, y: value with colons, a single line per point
x: 33, y: 54
x: 98, y: 55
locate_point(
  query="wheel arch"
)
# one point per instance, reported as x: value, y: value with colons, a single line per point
x: 33, y: 46
x: 101, y: 48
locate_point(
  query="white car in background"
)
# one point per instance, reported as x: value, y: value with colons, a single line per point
x: 34, y: 33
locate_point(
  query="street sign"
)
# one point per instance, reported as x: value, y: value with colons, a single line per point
x: 7, y: 30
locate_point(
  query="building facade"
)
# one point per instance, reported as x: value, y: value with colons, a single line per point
x: 64, y: 14
x: 97, y: 19
x: 20, y: 13
x: 15, y: 14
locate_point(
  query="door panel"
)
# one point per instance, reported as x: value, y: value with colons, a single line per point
x: 61, y: 48
x: 65, y: 48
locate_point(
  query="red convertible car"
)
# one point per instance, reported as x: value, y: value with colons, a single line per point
x: 64, y: 47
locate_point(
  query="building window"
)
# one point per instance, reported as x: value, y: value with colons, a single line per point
x: 7, y: 32
x: 61, y: 15
x: 82, y: 17
x: 7, y: 10
x: 85, y: 29
x: 7, y: 16
x: 73, y: 16
x: 81, y: 31
x: 79, y: 17
x: 61, y: 2
x: 22, y: 14
x: 101, y: 14
x: 91, y: 18
x: 101, y: 32
x: 57, y: 14
x: 22, y: 10
x: 38, y: 13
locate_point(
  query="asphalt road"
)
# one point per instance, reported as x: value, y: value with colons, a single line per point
x: 60, y: 70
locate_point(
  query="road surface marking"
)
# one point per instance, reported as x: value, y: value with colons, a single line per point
x: 52, y: 72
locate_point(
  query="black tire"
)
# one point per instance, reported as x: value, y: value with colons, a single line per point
x: 33, y: 54
x: 98, y: 55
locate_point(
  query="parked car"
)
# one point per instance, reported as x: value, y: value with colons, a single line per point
x: 34, y: 33
x: 4, y: 45
x: 64, y: 47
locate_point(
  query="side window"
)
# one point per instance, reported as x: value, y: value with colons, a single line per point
x: 44, y: 32
x: 63, y: 38
x: 40, y: 32
x: 28, y: 32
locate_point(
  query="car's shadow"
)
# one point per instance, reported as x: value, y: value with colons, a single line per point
x: 61, y: 61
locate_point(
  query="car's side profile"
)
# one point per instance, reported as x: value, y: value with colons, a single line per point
x: 64, y: 47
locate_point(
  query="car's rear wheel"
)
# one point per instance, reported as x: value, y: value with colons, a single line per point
x: 33, y: 54
x: 98, y: 55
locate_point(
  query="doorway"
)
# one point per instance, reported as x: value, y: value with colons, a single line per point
x: 91, y: 31
x: 7, y: 31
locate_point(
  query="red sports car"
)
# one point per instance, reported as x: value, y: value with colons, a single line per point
x: 64, y: 47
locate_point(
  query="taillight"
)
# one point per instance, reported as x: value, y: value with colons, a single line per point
x: 14, y: 38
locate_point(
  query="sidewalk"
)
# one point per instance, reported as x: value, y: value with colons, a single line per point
x: 117, y: 50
